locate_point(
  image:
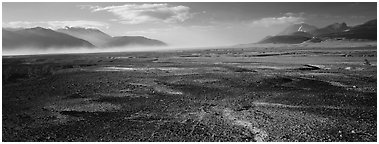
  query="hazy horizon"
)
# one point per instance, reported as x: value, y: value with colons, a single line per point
x: 83, y: 50
x: 186, y: 24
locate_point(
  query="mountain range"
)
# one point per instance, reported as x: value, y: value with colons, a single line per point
x: 303, y: 27
x: 69, y: 37
x: 41, y: 38
x: 101, y: 39
x: 299, y: 33
x: 72, y: 37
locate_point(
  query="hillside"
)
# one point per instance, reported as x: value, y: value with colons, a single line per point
x: 133, y: 40
x: 303, y: 27
x: 285, y: 39
x: 40, y: 38
x: 94, y: 36
x: 333, y: 28
x: 299, y: 33
x: 367, y: 31
x: 101, y: 39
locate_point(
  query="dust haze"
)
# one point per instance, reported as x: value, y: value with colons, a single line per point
x: 189, y: 72
x: 80, y: 50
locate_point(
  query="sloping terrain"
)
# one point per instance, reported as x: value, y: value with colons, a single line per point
x: 69, y: 37
x: 94, y: 36
x: 299, y: 33
x: 40, y: 38
x: 285, y: 39
x: 303, y: 27
x: 333, y: 28
x: 364, y: 31
x: 101, y: 39
x: 133, y: 40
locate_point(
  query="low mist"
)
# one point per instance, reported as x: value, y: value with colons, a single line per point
x: 74, y: 50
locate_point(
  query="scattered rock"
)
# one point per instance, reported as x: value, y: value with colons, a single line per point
x: 367, y: 62
x: 259, y: 135
x: 311, y: 67
x: 244, y: 107
x: 243, y: 70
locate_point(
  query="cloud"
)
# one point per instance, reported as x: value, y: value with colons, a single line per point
x: 144, y: 13
x: 287, y: 18
x: 57, y: 24
x: 171, y: 28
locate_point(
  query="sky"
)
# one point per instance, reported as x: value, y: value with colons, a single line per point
x: 186, y: 23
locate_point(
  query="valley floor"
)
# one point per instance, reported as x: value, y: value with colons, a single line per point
x: 246, y: 94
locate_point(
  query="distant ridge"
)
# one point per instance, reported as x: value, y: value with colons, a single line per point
x: 285, y: 39
x: 101, y: 39
x: 133, y: 40
x: 303, y: 27
x: 333, y: 28
x: 94, y: 36
x: 300, y: 33
x: 41, y: 38
x: 367, y: 31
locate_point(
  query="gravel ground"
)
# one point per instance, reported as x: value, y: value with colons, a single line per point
x: 252, y: 94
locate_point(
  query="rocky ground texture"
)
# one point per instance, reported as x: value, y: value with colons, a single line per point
x: 251, y: 94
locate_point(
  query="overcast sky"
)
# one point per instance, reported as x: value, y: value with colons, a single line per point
x: 187, y: 24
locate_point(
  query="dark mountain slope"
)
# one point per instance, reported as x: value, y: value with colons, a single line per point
x: 93, y: 36
x: 367, y: 31
x: 285, y: 39
x: 337, y: 30
x: 40, y: 38
x: 333, y: 28
x: 303, y: 27
x: 101, y: 39
x: 133, y: 40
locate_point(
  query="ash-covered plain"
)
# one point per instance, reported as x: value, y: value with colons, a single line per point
x: 243, y: 94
